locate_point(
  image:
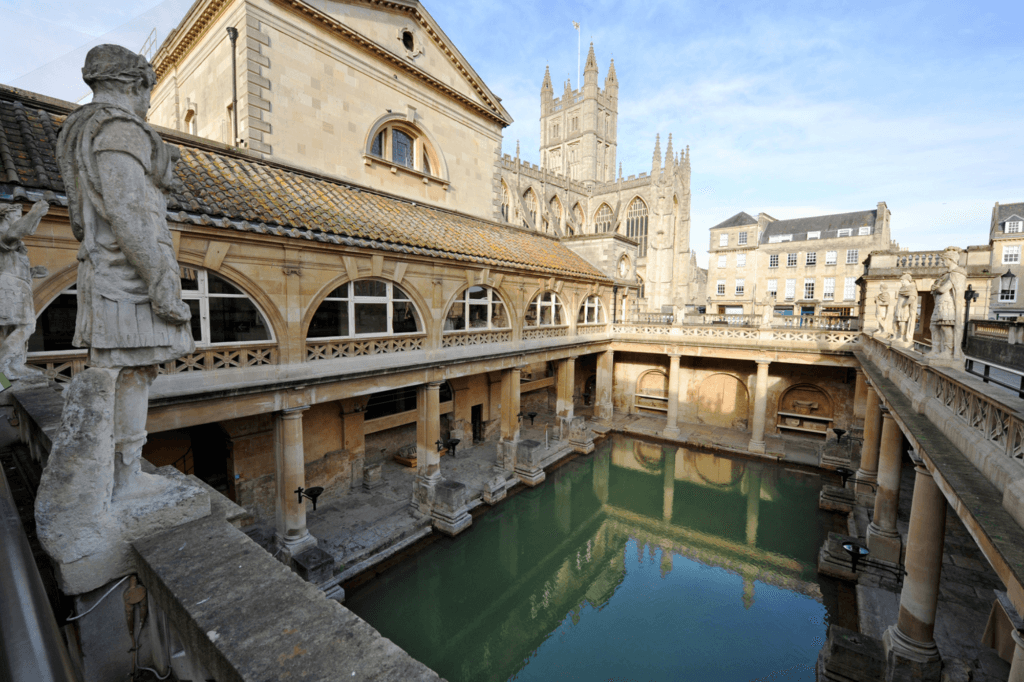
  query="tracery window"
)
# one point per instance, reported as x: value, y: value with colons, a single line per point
x: 506, y: 202
x: 636, y: 225
x: 404, y: 146
x: 603, y: 219
x: 365, y: 307
x: 530, y: 201
x: 591, y: 311
x: 477, y: 308
x: 556, y: 210
x: 578, y: 213
x: 545, y: 311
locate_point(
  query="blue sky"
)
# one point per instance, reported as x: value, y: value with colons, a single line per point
x: 792, y: 108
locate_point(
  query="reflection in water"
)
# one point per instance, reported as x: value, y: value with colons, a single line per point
x: 641, y: 562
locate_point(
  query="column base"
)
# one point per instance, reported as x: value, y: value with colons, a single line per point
x: 423, y: 493
x: 907, y: 660
x: 530, y: 477
x: 671, y: 432
x: 289, y: 548
x: 850, y: 657
x: 603, y: 413
x: 884, y: 544
x: 757, y: 446
x: 870, y: 477
x: 449, y: 514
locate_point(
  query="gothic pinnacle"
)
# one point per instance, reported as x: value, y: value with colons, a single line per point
x: 610, y: 78
x: 669, y: 156
x: 591, y: 59
x: 546, y: 85
x: 656, y: 161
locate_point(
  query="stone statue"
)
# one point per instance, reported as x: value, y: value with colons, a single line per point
x: 906, y: 311
x: 882, y: 304
x: 17, y: 311
x: 947, y: 323
x: 93, y: 498
x: 767, y: 309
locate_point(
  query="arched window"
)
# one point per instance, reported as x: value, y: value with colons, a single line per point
x: 578, y: 213
x: 191, y: 125
x: 506, y: 202
x: 530, y: 201
x: 55, y: 324
x: 477, y: 308
x: 603, y: 219
x: 636, y: 225
x: 545, y: 311
x: 556, y: 210
x: 591, y: 311
x: 366, y: 307
x: 405, y: 146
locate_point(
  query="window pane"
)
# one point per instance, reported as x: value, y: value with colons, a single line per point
x: 478, y: 316
x: 330, y: 319
x: 401, y: 148
x: 456, y: 318
x: 582, y: 317
x: 371, y: 318
x: 196, y: 323
x: 498, y: 318
x: 404, y: 320
x: 369, y: 287
x: 545, y: 314
x: 426, y: 164
x: 340, y: 292
x: 399, y: 294
x: 189, y: 279
x: 477, y: 293
x: 55, y: 327
x: 377, y: 147
x: 233, y: 320
x: 219, y: 285
x: 559, y: 318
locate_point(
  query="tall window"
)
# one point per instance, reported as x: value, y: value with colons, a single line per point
x: 545, y: 311
x: 403, y: 146
x: 849, y: 288
x: 773, y: 260
x: 590, y: 311
x: 636, y: 225
x: 742, y: 239
x: 530, y: 201
x: 812, y: 258
x: 773, y: 286
x: 221, y: 312
x: 603, y: 219
x: 808, y: 288
x: 741, y: 260
x: 506, y: 202
x: 720, y: 288
x: 1011, y: 254
x: 577, y: 213
x: 790, y: 289
x: 828, y: 291
x: 830, y: 257
x: 723, y: 239
x: 477, y: 308
x: 363, y: 308
x: 556, y: 210
x: 852, y: 256
x: 722, y: 261
x: 740, y: 286
x: 1009, y: 295
x: 790, y: 260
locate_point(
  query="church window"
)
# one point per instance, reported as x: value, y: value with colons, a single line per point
x: 404, y: 146
x: 556, y: 210
x: 808, y: 288
x: 741, y: 260
x: 578, y: 213
x: 545, y: 311
x: 849, y: 288
x: 830, y: 257
x: 852, y: 256
x: 812, y: 258
x: 773, y: 260
x: 742, y: 238
x: 636, y: 225
x: 477, y: 308
x: 720, y: 288
x: 791, y: 260
x: 530, y: 199
x: 365, y: 307
x: 722, y: 262
x: 790, y: 289
x: 506, y: 202
x: 723, y: 239
x: 828, y: 291
x: 554, y: 131
x: 590, y: 311
x: 1013, y: 226
x: 603, y: 219
x: 740, y: 285
x: 1011, y: 254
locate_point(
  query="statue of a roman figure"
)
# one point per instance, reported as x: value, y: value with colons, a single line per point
x: 17, y: 311
x: 947, y: 323
x: 906, y: 310
x: 882, y: 304
x: 767, y: 309
x: 117, y: 171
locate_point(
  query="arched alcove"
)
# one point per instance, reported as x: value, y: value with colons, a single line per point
x: 805, y: 409
x: 723, y: 401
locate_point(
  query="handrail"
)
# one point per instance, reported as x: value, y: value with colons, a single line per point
x: 31, y: 646
x: 184, y: 462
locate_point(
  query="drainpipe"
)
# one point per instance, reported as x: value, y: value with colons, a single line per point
x: 233, y: 36
x: 615, y: 304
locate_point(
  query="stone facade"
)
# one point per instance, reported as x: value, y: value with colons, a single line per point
x: 1006, y: 239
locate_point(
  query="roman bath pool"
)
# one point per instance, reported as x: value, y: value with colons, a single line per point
x: 642, y: 561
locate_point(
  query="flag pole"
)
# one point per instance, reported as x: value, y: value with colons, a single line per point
x: 576, y: 25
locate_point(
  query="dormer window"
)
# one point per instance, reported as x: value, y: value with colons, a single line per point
x: 814, y: 235
x: 777, y: 238
x: 864, y: 230
x: 1013, y: 226
x: 845, y: 232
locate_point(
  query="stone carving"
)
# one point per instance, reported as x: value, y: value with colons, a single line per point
x: 882, y: 304
x: 906, y: 311
x: 947, y: 323
x: 131, y: 318
x: 17, y: 311
x: 767, y: 309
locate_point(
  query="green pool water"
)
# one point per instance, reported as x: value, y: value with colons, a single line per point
x: 640, y: 562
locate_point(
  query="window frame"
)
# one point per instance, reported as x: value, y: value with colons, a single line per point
x: 720, y: 288
x: 808, y: 288
x: 864, y: 231
x: 591, y: 304
x: 741, y: 260
x: 790, y: 289
x: 723, y: 239
x: 203, y: 295
x: 741, y: 238
x: 603, y: 219
x: 555, y: 304
x: 844, y: 232
x: 426, y: 159
x: 740, y: 286
x: 831, y: 257
x: 828, y: 289
x: 1011, y: 254
x: 814, y: 235
x: 723, y: 262
x: 853, y: 259
x: 791, y: 259
x: 493, y: 297
x: 772, y: 286
x: 850, y: 289
x: 637, y: 218
x: 1009, y: 295
x: 773, y: 260
x: 1013, y: 227
x: 351, y: 299
x: 811, y: 258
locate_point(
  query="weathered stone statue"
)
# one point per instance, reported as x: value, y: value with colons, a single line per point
x: 882, y: 304
x: 906, y: 311
x: 94, y: 498
x: 767, y: 309
x: 17, y: 311
x: 947, y: 323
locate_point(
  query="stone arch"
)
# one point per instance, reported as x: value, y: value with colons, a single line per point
x: 807, y: 399
x: 722, y: 400
x: 653, y: 382
x: 603, y: 219
x: 532, y: 208
x: 438, y: 164
x: 430, y: 326
x: 513, y: 315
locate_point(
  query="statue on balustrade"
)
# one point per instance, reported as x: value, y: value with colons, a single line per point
x: 947, y: 323
x: 906, y: 311
x: 767, y: 309
x: 94, y: 497
x: 882, y: 304
x: 17, y: 310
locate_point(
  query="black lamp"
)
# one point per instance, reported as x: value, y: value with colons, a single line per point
x: 1006, y: 281
x: 309, y: 493
x: 839, y: 434
x: 452, y: 443
x: 856, y: 552
x: 440, y: 445
x: 520, y: 415
x: 531, y: 415
x: 844, y: 474
x: 969, y: 296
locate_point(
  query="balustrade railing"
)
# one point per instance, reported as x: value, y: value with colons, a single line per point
x: 474, y: 338
x: 835, y: 322
x: 353, y: 348
x: 651, y: 318
x: 920, y: 259
x: 544, y: 333
x: 731, y: 320
x: 591, y: 329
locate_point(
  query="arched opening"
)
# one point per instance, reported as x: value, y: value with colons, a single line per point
x: 365, y: 307
x: 477, y: 308
x: 722, y: 400
x: 636, y: 225
x: 805, y: 410
x: 545, y: 310
x: 577, y: 213
x: 591, y: 311
x: 506, y: 202
x: 603, y: 219
x: 403, y: 144
x: 651, y: 394
x: 531, y: 206
x: 556, y: 210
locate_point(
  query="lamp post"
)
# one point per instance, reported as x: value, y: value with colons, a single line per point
x: 1006, y: 282
x: 233, y: 37
x: 969, y: 296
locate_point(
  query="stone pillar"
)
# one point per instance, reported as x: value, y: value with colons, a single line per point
x: 428, y: 432
x: 510, y: 420
x: 910, y: 644
x: 868, y: 470
x: 883, y: 538
x: 565, y: 383
x: 354, y: 440
x: 289, y: 455
x: 604, y: 403
x: 757, y: 443
x: 672, y: 421
x: 668, y: 486
x: 859, y: 394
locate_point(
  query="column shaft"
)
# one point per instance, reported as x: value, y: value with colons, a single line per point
x: 883, y: 538
x: 603, y: 409
x: 868, y: 470
x: 565, y: 384
x: 859, y: 394
x: 428, y: 431
x: 672, y: 419
x: 291, y: 475
x: 757, y: 443
x: 510, y: 379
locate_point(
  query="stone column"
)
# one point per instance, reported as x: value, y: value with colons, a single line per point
x: 510, y: 421
x: 289, y: 455
x: 859, y: 394
x: 883, y: 538
x: 868, y: 470
x: 757, y: 443
x: 672, y: 420
x: 428, y: 432
x: 603, y: 405
x: 565, y: 383
x: 910, y: 643
x: 354, y: 441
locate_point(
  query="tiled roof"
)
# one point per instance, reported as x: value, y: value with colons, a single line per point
x: 741, y: 218
x: 828, y: 225
x: 235, y: 192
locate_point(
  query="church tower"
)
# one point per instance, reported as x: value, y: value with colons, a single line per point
x: 578, y: 130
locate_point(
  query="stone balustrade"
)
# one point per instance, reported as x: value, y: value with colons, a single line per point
x: 796, y: 339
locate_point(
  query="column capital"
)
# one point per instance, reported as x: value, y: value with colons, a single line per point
x: 675, y: 355
x: 762, y: 361
x: 293, y: 412
x: 434, y: 385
